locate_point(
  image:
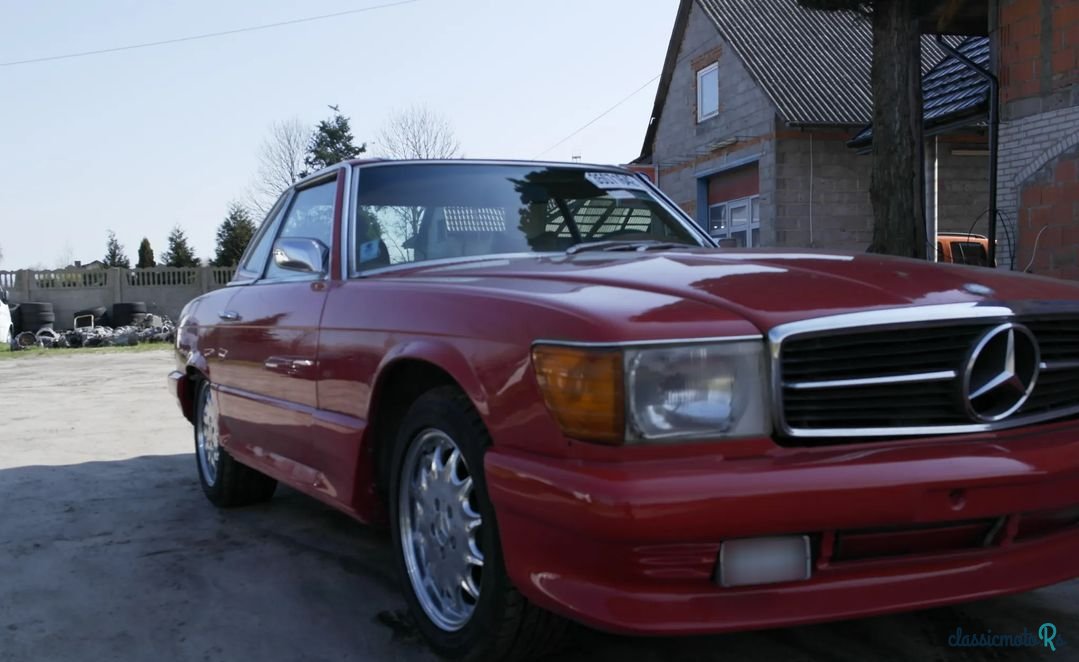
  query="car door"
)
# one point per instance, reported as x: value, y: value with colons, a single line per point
x: 268, y: 343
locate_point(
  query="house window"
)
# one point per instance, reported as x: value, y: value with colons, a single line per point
x: 708, y: 92
x: 736, y: 220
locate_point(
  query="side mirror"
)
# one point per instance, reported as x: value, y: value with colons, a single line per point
x: 301, y: 254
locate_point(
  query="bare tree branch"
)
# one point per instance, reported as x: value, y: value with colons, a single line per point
x: 418, y: 133
x: 65, y: 257
x: 280, y: 162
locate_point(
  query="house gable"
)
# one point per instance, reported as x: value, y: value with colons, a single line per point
x: 679, y: 139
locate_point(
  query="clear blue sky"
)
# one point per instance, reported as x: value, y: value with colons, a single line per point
x: 141, y: 140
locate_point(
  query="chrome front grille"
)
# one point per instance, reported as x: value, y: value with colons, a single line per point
x: 901, y: 372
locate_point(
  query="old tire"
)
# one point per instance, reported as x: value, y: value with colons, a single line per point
x: 226, y: 482
x: 437, y: 528
x: 34, y: 316
x: 123, y: 314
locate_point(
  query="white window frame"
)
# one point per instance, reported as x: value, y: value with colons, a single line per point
x: 753, y: 219
x: 701, y: 116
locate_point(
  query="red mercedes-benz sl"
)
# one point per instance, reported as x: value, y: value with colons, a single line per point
x: 568, y: 404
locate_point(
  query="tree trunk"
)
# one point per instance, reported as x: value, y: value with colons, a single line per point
x: 897, y: 183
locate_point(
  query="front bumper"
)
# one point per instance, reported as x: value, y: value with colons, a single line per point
x: 631, y: 546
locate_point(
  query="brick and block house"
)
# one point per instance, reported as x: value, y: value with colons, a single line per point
x: 750, y: 127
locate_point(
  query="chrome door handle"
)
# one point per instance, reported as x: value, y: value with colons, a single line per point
x: 276, y: 363
x: 286, y: 365
x: 229, y: 315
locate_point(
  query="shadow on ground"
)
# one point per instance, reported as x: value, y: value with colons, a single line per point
x: 126, y: 560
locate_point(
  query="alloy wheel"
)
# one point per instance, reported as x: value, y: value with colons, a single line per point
x: 440, y: 523
x: 208, y: 439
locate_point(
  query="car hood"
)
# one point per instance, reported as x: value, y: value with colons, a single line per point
x: 765, y: 287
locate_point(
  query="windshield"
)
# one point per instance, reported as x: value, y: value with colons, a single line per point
x: 416, y: 212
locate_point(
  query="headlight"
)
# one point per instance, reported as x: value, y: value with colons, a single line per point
x: 696, y: 391
x: 614, y: 395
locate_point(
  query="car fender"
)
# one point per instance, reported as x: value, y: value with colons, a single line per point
x: 196, y: 361
x: 444, y: 356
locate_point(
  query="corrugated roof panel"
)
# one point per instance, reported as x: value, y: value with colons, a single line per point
x: 813, y: 65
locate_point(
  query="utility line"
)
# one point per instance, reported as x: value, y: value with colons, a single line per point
x: 600, y: 116
x: 632, y: 94
x: 208, y: 35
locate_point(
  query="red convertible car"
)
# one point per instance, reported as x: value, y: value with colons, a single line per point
x: 569, y: 405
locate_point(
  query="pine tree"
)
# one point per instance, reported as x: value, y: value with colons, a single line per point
x: 114, y: 253
x: 233, y: 235
x: 179, y: 253
x: 146, y: 255
x: 331, y: 143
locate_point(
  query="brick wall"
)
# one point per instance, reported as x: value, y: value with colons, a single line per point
x: 1039, y: 72
x: 1039, y: 55
x: 1027, y: 146
x: 1049, y: 209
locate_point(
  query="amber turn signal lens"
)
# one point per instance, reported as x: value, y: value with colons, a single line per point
x: 583, y: 388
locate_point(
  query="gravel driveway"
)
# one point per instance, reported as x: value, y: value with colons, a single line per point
x: 109, y: 551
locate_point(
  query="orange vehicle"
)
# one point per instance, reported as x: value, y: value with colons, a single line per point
x: 963, y: 248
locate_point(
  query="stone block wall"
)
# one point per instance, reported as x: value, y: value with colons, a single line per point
x: 164, y: 290
x: 822, y: 192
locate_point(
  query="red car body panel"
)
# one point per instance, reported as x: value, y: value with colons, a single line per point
x: 631, y: 546
x: 626, y: 538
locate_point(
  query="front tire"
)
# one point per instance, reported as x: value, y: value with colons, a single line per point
x: 225, y: 482
x: 446, y: 539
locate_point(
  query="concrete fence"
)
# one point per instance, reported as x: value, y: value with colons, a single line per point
x: 165, y: 290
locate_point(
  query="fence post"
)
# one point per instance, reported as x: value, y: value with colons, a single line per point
x: 22, y: 284
x: 206, y: 279
x: 116, y: 286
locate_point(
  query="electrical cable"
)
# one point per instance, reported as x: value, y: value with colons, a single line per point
x: 207, y: 35
x: 599, y: 117
x: 1034, y: 253
x: 1001, y: 216
x: 624, y: 100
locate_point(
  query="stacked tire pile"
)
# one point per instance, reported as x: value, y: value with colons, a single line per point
x: 30, y: 319
x: 125, y: 324
x: 127, y: 314
x: 33, y: 317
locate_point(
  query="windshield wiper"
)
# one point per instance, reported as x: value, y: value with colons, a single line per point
x: 613, y: 245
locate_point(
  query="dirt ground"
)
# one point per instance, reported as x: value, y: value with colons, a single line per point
x: 109, y: 551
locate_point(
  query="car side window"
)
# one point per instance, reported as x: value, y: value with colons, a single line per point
x: 254, y: 262
x: 310, y: 216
